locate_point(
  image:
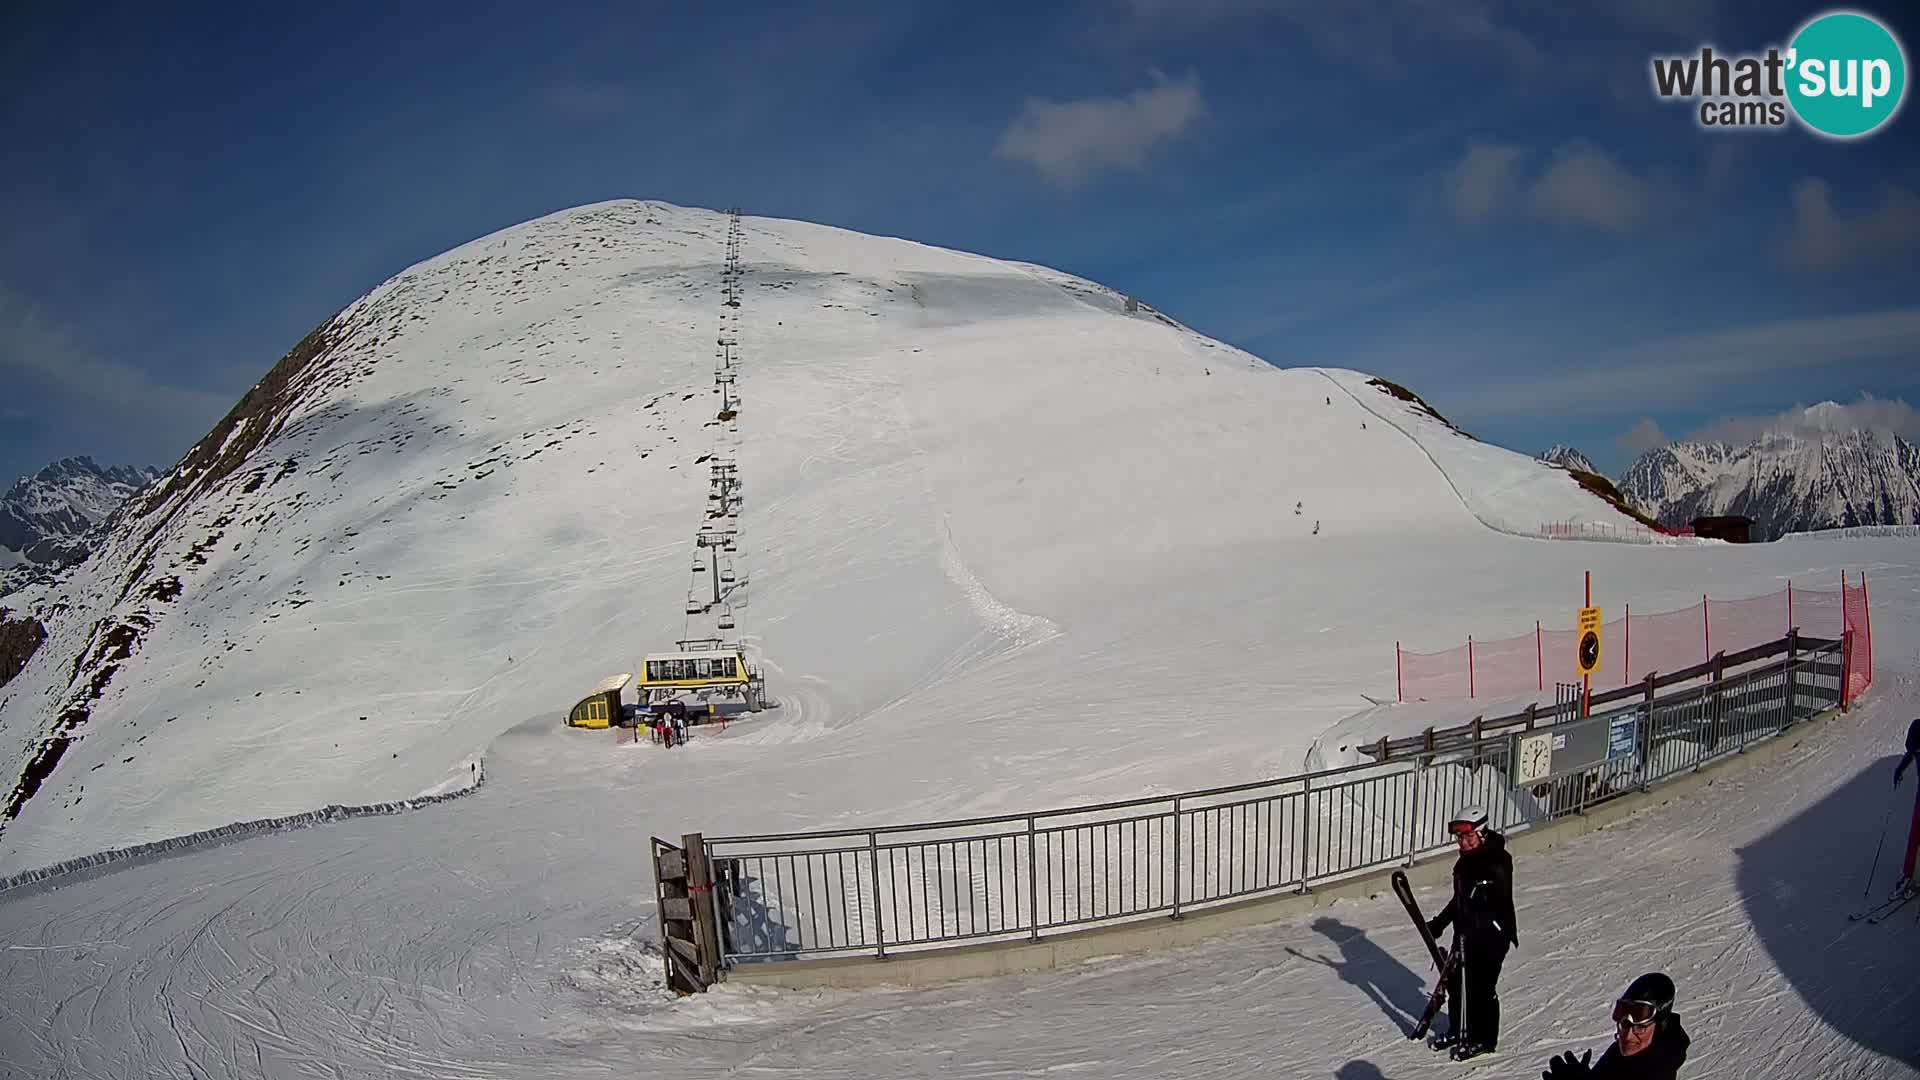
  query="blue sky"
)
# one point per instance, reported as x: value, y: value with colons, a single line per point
x: 1480, y: 199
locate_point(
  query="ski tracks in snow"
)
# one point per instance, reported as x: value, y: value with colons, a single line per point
x: 1020, y: 630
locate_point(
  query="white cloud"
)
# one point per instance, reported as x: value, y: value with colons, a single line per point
x: 1585, y: 186
x: 1580, y: 185
x: 1473, y: 23
x: 1069, y: 141
x: 1867, y: 414
x: 1483, y: 181
x: 1823, y: 238
x: 1640, y: 438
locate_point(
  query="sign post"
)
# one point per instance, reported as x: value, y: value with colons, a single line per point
x: 1587, y: 656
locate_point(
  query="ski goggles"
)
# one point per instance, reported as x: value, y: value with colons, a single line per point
x: 1462, y: 828
x: 1636, y: 1013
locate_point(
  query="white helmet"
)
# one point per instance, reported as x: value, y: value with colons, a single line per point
x: 1469, y: 818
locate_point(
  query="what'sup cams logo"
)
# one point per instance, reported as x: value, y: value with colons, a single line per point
x: 1843, y: 76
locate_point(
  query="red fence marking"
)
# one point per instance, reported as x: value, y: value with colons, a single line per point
x: 1667, y: 643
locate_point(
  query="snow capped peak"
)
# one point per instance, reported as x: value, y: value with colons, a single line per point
x: 46, y: 517
x: 1569, y: 458
x: 1823, y: 471
x: 1827, y: 416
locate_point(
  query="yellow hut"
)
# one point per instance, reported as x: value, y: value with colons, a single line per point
x: 601, y: 708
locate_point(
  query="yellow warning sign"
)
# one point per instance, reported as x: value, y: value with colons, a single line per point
x: 1588, y: 658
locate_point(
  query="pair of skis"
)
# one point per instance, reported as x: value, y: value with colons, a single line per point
x: 1884, y: 908
x: 1447, y: 961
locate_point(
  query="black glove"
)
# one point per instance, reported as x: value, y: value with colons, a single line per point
x: 1567, y: 1067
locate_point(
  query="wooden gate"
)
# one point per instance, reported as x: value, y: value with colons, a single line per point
x: 689, y: 929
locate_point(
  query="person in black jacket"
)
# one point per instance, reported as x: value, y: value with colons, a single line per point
x: 1648, y: 1041
x: 1481, y: 914
x: 1907, y: 883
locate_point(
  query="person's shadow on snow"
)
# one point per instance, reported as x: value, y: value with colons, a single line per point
x: 1359, y: 1070
x: 1396, y: 988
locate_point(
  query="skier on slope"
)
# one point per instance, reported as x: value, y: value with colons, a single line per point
x: 1908, y: 886
x: 1648, y: 1041
x: 1481, y: 913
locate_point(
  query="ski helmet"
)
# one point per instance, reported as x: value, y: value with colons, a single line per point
x: 1468, y: 819
x: 1646, y: 999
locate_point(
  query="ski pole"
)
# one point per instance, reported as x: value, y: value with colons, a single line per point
x: 1875, y: 868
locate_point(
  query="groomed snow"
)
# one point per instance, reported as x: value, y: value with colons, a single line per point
x: 507, y: 934
x: 1010, y: 548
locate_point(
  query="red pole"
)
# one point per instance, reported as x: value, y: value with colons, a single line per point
x: 1586, y: 681
x: 1866, y: 610
x: 1469, y: 665
x: 1539, y: 659
x: 1789, y: 603
x: 1399, y: 682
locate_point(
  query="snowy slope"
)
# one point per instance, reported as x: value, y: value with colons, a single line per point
x: 1507, y: 492
x: 974, y: 491
x: 510, y: 934
x: 1815, y: 476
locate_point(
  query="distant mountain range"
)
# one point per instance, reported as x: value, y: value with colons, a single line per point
x: 1817, y: 475
x: 50, y: 519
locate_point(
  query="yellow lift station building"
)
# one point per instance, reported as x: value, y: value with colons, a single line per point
x: 601, y: 708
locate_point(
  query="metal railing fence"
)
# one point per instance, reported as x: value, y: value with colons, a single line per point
x: 1018, y: 876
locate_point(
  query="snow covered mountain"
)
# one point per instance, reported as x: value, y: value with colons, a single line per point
x: 45, y: 518
x: 973, y: 492
x: 1569, y: 458
x: 1787, y: 481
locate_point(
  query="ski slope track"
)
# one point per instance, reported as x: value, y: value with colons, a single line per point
x: 1008, y: 546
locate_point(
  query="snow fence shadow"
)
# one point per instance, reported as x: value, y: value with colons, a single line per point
x: 1799, y: 881
x: 239, y: 830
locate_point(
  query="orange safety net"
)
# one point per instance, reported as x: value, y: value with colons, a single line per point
x: 1636, y: 645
